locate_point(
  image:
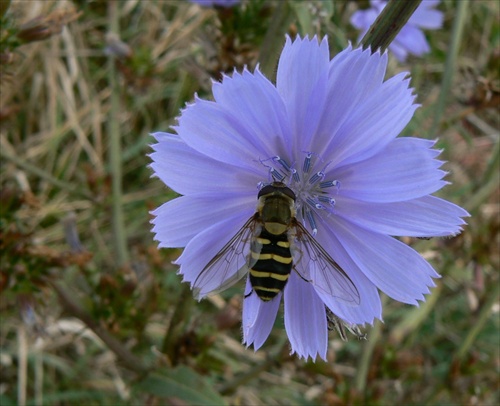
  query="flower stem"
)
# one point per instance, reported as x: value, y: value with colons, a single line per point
x: 273, y: 40
x: 387, y: 25
x: 119, y: 235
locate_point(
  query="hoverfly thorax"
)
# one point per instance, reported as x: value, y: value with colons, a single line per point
x: 276, y: 207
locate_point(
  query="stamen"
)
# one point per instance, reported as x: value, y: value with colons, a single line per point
x: 313, y: 203
x: 283, y: 163
x: 327, y: 199
x: 328, y: 183
x: 312, y: 221
x: 316, y: 177
x: 295, y: 176
x: 307, y: 163
x: 277, y: 175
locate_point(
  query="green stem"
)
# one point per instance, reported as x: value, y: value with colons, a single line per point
x: 119, y: 235
x: 368, y: 349
x: 416, y: 317
x: 451, y: 60
x: 387, y: 25
x: 483, y: 193
x: 487, y: 308
x: 273, y: 41
x: 179, y: 320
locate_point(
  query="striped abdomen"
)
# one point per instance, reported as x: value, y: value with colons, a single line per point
x: 270, y: 273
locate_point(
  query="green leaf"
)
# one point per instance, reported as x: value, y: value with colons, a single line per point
x: 182, y: 383
x: 303, y: 14
x: 6, y: 401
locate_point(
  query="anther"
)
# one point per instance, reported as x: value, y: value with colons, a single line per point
x: 316, y: 177
x: 283, y: 163
x: 312, y: 221
x: 295, y: 176
x: 314, y: 203
x: 307, y: 163
x: 329, y: 183
x: 277, y: 175
x: 327, y: 199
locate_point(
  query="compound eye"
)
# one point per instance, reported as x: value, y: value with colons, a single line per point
x: 289, y: 192
x: 266, y: 190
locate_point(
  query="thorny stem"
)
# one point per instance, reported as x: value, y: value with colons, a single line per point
x: 388, y: 24
x: 119, y: 235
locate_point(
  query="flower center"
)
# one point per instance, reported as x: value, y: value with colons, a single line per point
x: 313, y: 191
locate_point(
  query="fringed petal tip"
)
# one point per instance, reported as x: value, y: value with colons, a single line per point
x: 306, y: 357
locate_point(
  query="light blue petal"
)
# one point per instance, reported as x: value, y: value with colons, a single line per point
x: 178, y: 221
x: 369, y: 307
x: 353, y: 74
x: 212, y: 130
x: 189, y: 172
x: 363, y: 113
x: 253, y: 102
x: 305, y: 319
x: 258, y: 317
x: 396, y: 269
x: 426, y: 216
x: 301, y: 81
x: 378, y: 117
x: 204, y: 246
x: 404, y: 170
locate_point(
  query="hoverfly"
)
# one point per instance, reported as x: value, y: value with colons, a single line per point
x: 268, y: 246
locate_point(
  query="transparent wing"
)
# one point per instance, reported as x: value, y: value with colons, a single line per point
x: 229, y: 265
x: 315, y: 265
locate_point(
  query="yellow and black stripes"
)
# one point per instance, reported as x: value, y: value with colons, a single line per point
x: 270, y: 273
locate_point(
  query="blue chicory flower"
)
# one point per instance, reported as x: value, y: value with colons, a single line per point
x: 211, y: 3
x: 330, y: 128
x: 411, y: 39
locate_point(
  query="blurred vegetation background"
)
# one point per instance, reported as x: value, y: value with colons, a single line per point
x: 93, y: 313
